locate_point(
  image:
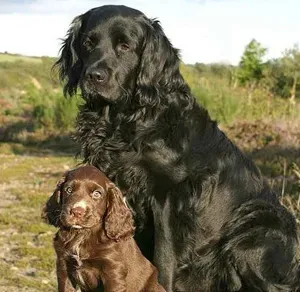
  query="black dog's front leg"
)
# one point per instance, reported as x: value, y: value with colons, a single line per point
x: 164, y: 255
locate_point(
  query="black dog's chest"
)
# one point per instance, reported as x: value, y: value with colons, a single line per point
x: 106, y: 144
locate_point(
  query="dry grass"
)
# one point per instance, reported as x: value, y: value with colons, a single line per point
x: 27, y: 260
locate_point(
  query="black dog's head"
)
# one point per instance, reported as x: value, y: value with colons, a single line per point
x: 115, y: 52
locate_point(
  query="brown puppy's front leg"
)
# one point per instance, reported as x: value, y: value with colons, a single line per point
x: 113, y: 276
x: 64, y: 282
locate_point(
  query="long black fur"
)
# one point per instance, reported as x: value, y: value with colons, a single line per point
x: 214, y: 223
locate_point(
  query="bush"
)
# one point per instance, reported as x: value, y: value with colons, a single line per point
x: 52, y: 111
x: 221, y: 105
x: 66, y: 111
x: 43, y: 116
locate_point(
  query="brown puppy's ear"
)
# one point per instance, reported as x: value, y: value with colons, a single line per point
x: 118, y: 222
x: 51, y: 211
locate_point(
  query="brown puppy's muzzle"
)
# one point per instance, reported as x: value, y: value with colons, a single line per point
x: 78, y: 212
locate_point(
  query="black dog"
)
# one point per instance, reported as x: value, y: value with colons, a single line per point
x: 215, y: 223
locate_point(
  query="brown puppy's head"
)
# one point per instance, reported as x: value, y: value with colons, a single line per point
x: 86, y: 198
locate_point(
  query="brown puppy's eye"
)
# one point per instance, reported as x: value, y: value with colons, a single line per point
x: 68, y: 190
x: 97, y: 194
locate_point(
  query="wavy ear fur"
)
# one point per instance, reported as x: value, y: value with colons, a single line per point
x: 118, y: 222
x: 159, y: 66
x: 68, y: 63
x: 51, y: 211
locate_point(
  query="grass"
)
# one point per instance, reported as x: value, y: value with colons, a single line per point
x: 27, y: 259
x: 228, y: 105
x: 13, y: 58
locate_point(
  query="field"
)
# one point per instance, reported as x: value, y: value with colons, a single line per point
x: 14, y: 58
x: 36, y: 123
x: 27, y: 261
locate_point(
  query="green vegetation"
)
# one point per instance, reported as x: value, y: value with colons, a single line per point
x: 250, y: 70
x: 32, y: 107
x: 32, y: 104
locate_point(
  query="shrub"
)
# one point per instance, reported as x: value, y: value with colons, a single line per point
x: 66, y: 111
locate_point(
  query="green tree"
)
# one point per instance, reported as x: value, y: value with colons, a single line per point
x: 291, y: 61
x: 276, y: 80
x: 250, y: 70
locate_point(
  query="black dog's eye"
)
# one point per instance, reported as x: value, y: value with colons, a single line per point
x: 124, y: 46
x: 68, y: 190
x: 87, y: 43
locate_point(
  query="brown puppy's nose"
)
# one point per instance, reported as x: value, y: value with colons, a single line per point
x: 97, y: 75
x: 77, y: 211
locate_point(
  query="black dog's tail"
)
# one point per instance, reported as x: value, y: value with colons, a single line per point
x: 255, y: 252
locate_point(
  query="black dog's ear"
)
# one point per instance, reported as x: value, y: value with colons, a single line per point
x: 159, y: 65
x: 69, y: 64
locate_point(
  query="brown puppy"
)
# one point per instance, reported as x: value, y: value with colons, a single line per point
x: 94, y: 245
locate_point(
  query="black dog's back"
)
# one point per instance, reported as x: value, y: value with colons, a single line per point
x: 248, y: 240
x: 254, y: 252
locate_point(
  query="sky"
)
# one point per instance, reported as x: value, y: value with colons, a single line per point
x: 205, y: 31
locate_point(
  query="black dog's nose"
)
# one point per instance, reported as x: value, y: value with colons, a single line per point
x: 97, y: 75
